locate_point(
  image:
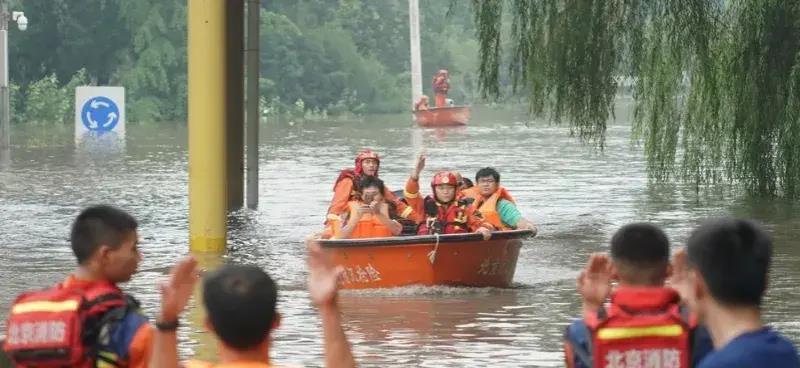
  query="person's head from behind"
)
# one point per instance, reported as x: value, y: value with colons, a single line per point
x: 240, y: 304
x: 487, y: 180
x: 104, y: 241
x: 728, y: 263
x: 640, y: 255
x: 462, y: 182
x: 371, y: 189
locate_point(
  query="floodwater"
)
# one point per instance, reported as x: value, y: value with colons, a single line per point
x: 577, y: 195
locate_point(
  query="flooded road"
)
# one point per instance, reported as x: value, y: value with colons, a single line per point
x: 577, y: 195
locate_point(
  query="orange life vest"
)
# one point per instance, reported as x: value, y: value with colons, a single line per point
x: 368, y: 226
x: 444, y: 219
x: 61, y: 326
x: 642, y: 325
x: 488, y: 206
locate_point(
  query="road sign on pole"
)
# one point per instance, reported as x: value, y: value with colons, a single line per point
x: 99, y: 112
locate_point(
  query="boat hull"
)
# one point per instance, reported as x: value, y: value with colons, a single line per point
x: 442, y: 116
x: 456, y: 260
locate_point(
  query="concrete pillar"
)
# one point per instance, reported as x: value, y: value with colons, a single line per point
x: 234, y: 101
x: 207, y: 138
x: 252, y: 110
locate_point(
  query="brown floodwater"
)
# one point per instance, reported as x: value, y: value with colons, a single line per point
x: 578, y: 195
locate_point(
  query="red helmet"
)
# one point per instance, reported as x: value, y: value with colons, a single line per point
x: 444, y: 178
x: 363, y: 155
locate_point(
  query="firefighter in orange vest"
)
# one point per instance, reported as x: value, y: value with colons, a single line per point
x: 441, y: 85
x: 444, y: 214
x: 240, y: 304
x: 495, y: 203
x: 644, y: 325
x: 87, y: 321
x: 367, y: 163
x: 369, y: 215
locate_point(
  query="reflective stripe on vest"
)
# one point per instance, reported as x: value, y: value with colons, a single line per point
x: 45, y: 306
x: 614, y: 333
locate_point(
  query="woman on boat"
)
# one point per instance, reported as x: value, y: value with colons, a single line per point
x: 367, y: 164
x: 444, y: 213
x: 368, y: 216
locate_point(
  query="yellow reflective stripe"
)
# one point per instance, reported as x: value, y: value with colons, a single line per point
x: 613, y: 333
x: 334, y: 217
x: 45, y: 306
x: 108, y: 357
x: 406, y: 212
x: 410, y: 195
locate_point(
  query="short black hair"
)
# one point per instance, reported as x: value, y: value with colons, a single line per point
x: 240, y: 301
x: 371, y: 181
x: 641, y: 253
x: 487, y: 171
x: 733, y: 257
x: 99, y: 225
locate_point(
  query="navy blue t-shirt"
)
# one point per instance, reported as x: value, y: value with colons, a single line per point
x: 762, y: 348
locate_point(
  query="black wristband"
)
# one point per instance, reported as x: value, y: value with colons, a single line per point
x: 167, y: 326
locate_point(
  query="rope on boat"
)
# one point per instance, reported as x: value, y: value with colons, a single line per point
x: 432, y: 254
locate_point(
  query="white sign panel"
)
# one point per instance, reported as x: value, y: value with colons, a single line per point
x: 99, y: 112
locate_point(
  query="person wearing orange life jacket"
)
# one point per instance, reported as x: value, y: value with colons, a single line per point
x: 369, y: 215
x: 115, y: 333
x: 645, y: 324
x: 444, y: 214
x: 367, y: 163
x: 494, y: 202
x: 441, y: 85
x: 240, y: 304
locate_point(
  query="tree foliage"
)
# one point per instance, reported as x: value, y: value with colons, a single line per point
x: 716, y: 83
x: 328, y: 56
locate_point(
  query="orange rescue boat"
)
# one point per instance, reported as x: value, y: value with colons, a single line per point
x: 453, y: 259
x: 442, y: 116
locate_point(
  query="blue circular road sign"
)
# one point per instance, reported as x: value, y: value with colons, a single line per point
x: 100, y: 114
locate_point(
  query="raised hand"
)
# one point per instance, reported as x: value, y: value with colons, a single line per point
x: 323, y: 276
x: 679, y: 278
x: 419, y: 167
x: 177, y: 290
x: 594, y: 282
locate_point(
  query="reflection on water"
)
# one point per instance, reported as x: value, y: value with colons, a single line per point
x: 577, y: 195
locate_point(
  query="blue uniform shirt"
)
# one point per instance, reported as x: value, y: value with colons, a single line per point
x: 762, y: 348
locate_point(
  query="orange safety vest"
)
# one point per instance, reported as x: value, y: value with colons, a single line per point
x: 444, y: 218
x: 488, y: 206
x: 642, y: 325
x: 368, y: 226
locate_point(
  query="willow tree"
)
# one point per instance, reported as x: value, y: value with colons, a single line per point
x: 716, y: 83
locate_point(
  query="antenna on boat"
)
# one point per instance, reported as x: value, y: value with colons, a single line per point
x: 416, y: 59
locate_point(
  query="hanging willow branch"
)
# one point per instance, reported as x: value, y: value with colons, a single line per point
x: 716, y: 82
